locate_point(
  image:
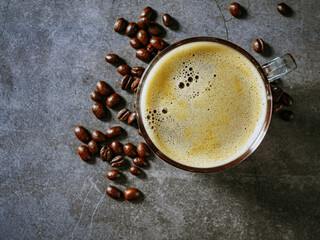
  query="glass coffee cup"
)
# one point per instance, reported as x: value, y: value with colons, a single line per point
x: 267, y: 73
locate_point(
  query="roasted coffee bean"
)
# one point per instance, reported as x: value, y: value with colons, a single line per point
x: 135, y: 84
x: 113, y: 132
x: 130, y: 150
x: 113, y: 174
x: 276, y: 108
x: 148, y: 13
x: 106, y: 153
x: 139, y: 132
x: 126, y: 82
x: 276, y: 94
x: 286, y: 99
x: 84, y: 153
x: 143, y: 22
x: 98, y: 136
x: 119, y: 25
x: 82, y: 134
x: 123, y: 115
x: 112, y: 58
x: 113, y: 192
x: 258, y: 45
x: 151, y: 49
x: 158, y: 43
x: 137, y: 71
x: 139, y: 161
x: 96, y: 96
x: 99, y: 110
x: 143, y: 149
x: 143, y: 55
x: 287, y: 115
x: 283, y: 8
x: 132, y: 119
x: 134, y: 170
x: 143, y: 37
x: 135, y: 43
x: 132, y: 29
x: 166, y: 19
x: 235, y: 9
x: 113, y: 100
x: 131, y: 194
x: 93, y: 147
x: 117, y: 161
x: 155, y: 29
x: 124, y: 69
x: 116, y: 146
x: 104, y: 89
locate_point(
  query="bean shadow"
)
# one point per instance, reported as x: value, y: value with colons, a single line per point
x: 140, y: 199
x: 174, y: 26
x: 267, y: 51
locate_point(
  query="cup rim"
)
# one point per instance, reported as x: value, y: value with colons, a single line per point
x: 258, y: 139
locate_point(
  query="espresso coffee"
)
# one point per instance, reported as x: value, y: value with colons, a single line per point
x: 203, y: 104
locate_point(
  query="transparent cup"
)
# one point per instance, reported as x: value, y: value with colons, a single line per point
x: 269, y: 72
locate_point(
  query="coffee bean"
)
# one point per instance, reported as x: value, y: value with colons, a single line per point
x: 131, y: 194
x: 98, y: 136
x: 283, y: 8
x: 143, y: 55
x: 151, y: 49
x: 114, y: 132
x: 96, y: 96
x: 155, y: 29
x: 286, y: 99
x: 124, y: 69
x: 99, y: 110
x: 166, y: 18
x: 126, y: 82
x: 132, y: 119
x: 143, y: 22
x: 158, y: 43
x: 143, y: 150
x: 276, y: 108
x: 148, y: 13
x: 113, y: 192
x: 135, y: 43
x: 235, y: 9
x: 113, y: 174
x: 134, y: 170
x: 112, y: 58
x: 93, y: 147
x: 276, y: 94
x: 106, y: 153
x: 130, y: 150
x: 139, y: 161
x: 104, y: 89
x: 137, y: 71
x: 135, y: 84
x: 82, y: 134
x: 287, y: 115
x: 143, y: 37
x: 119, y: 25
x: 132, y: 29
x: 123, y: 115
x: 116, y: 146
x: 113, y: 100
x: 117, y: 161
x: 84, y: 153
x: 258, y: 45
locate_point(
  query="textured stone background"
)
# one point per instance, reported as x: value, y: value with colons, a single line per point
x: 52, y: 55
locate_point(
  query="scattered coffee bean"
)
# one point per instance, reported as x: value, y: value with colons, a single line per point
x: 235, y: 10
x: 113, y: 192
x: 117, y: 161
x: 84, y: 153
x: 112, y: 58
x: 135, y: 84
x: 139, y: 161
x: 135, y: 43
x: 82, y: 134
x: 276, y: 94
x: 99, y: 110
x: 134, y: 170
x: 166, y: 18
x: 158, y: 43
x: 130, y: 150
x: 119, y: 25
x: 104, y: 89
x: 151, y: 49
x: 116, y: 146
x: 124, y: 69
x: 286, y: 99
x: 137, y: 71
x: 143, y: 22
x: 287, y: 115
x: 143, y: 37
x: 258, y: 45
x: 98, y: 136
x: 114, y: 132
x: 113, y: 174
x: 155, y: 29
x: 123, y: 115
x: 143, y: 150
x: 113, y: 100
x: 132, y: 29
x: 131, y: 194
x: 143, y: 55
x: 96, y: 96
x: 283, y: 8
x: 147, y: 12
x: 276, y: 108
x: 93, y: 147
x: 132, y: 119
x: 126, y: 82
x: 106, y: 153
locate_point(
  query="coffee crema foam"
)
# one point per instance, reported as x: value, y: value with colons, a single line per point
x: 203, y: 104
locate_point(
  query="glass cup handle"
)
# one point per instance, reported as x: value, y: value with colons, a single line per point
x: 279, y: 67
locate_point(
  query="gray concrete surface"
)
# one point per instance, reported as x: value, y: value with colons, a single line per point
x: 51, y: 56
